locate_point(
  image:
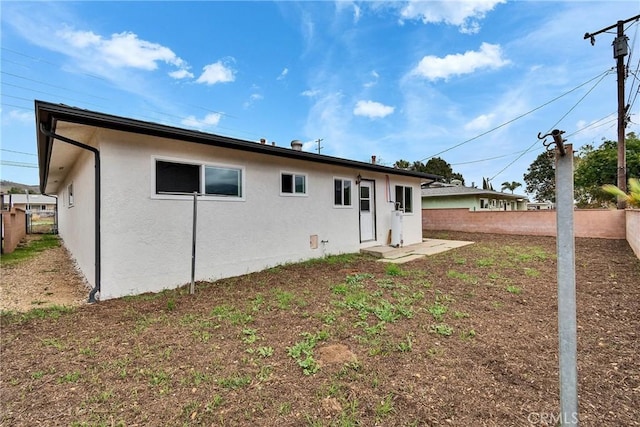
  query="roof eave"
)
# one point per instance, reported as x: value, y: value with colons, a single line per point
x: 48, y: 113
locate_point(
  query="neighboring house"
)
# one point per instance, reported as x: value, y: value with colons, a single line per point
x: 38, y: 204
x: 540, y: 206
x: 474, y: 199
x: 126, y: 201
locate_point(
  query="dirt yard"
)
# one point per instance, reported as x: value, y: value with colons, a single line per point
x: 463, y: 338
x: 43, y: 281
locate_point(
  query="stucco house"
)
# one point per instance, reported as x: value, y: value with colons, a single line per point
x: 34, y: 203
x: 126, y: 203
x: 475, y: 199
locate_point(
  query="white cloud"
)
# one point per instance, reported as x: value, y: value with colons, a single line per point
x: 208, y: 121
x: 121, y: 50
x: 480, y: 123
x: 375, y: 76
x: 310, y: 93
x: 372, y: 109
x: 181, y: 74
x: 253, y: 98
x: 283, y: 74
x: 217, y: 72
x: 433, y: 68
x: 463, y: 14
x: 21, y: 116
x: 356, y: 13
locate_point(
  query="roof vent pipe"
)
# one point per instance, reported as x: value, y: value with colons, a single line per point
x: 296, y: 145
x: 373, y: 160
x: 263, y: 141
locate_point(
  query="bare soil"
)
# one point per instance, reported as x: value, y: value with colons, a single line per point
x: 463, y: 338
x: 43, y: 281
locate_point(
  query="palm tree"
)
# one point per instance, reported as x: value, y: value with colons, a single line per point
x: 632, y: 199
x: 511, y: 185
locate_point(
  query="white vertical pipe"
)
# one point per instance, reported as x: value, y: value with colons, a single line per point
x: 192, y: 290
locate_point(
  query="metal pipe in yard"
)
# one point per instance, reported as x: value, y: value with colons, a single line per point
x: 193, y: 244
x: 565, y: 242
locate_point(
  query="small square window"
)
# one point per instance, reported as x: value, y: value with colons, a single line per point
x: 70, y: 194
x: 295, y: 184
x: 404, y: 198
x: 219, y: 181
x: 342, y: 192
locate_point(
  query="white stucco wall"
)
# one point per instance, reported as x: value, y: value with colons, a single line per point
x: 146, y: 241
x: 76, y: 223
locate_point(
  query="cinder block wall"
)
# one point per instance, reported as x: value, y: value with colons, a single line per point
x: 597, y: 223
x: 633, y: 230
x: 14, y: 225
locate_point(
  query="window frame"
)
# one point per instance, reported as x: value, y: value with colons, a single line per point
x: 294, y: 175
x: 202, y: 180
x: 342, y: 180
x: 404, y: 192
x: 70, y: 195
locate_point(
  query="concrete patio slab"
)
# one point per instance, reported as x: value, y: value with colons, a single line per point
x: 413, y: 252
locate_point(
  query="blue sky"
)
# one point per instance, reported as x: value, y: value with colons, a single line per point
x: 399, y: 80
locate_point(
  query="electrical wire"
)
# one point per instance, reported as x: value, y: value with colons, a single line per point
x: 601, y: 76
x: 552, y: 127
x: 18, y: 164
x: 17, y: 152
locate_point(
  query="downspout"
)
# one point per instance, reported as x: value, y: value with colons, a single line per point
x: 96, y: 153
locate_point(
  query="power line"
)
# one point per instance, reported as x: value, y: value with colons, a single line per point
x: 19, y: 164
x: 51, y: 85
x: 552, y: 127
x: 602, y: 75
x: 17, y: 152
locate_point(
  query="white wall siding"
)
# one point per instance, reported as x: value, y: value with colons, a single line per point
x: 76, y: 224
x: 146, y: 240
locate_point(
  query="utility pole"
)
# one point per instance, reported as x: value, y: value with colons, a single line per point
x: 318, y: 141
x: 620, y: 50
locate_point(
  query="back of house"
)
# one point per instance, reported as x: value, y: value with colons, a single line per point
x: 137, y: 200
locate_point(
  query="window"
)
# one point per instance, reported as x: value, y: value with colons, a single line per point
x: 210, y: 180
x: 484, y: 203
x: 294, y: 184
x: 177, y: 177
x: 404, y: 198
x: 342, y: 192
x: 223, y: 181
x: 70, y: 194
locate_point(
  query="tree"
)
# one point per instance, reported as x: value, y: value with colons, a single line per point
x: 597, y: 167
x: 435, y: 166
x: 510, y: 185
x: 541, y: 178
x: 632, y: 199
x: 402, y: 164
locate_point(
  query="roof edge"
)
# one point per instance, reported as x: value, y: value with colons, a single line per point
x: 48, y: 113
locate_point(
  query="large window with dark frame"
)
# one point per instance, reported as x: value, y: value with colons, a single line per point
x: 342, y: 192
x: 293, y: 184
x: 182, y: 178
x: 404, y: 198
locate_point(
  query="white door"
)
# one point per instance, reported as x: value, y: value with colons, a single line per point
x: 367, y: 211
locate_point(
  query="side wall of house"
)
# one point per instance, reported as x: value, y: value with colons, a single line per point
x: 147, y: 240
x: 76, y: 221
x: 468, y: 202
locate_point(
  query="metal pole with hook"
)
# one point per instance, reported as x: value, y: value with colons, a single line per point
x: 565, y: 247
